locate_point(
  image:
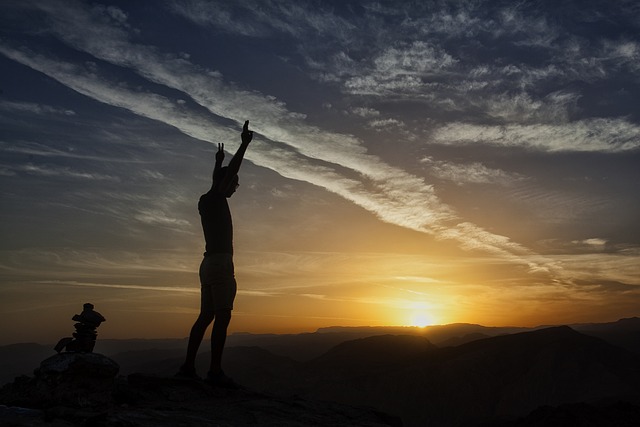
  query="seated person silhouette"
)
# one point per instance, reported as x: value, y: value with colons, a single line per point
x: 84, y: 338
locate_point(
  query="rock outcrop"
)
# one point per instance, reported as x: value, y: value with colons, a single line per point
x: 75, y: 380
x: 80, y: 389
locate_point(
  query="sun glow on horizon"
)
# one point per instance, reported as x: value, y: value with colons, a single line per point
x: 420, y: 314
x: 421, y: 320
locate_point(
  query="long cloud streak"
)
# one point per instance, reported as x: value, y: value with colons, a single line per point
x: 392, y: 194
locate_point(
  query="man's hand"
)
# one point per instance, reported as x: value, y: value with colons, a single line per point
x: 220, y: 153
x: 247, y: 135
x: 236, y: 160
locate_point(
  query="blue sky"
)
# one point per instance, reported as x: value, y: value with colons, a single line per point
x: 450, y: 160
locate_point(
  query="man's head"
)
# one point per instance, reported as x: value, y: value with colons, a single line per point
x: 228, y: 187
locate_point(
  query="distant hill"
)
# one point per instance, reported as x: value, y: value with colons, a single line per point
x: 109, y: 347
x: 500, y: 377
x: 307, y: 346
x: 21, y: 359
x: 545, y: 367
x: 472, y: 374
x: 624, y: 333
x: 456, y: 341
x: 375, y: 352
x: 435, y: 333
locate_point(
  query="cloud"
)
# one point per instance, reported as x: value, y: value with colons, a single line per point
x: 597, y: 242
x: 386, y: 124
x: 35, y: 108
x: 156, y: 217
x: 522, y: 108
x: 31, y: 148
x: 105, y: 265
x: 399, y: 71
x: 589, y: 265
x: 115, y: 14
x: 364, y: 112
x: 622, y: 54
x: 556, y: 205
x: 473, y: 173
x: 418, y: 58
x: 121, y: 286
x: 337, y: 162
x: 589, y: 135
x: 216, y: 14
x: 593, y: 245
x: 64, y: 172
x: 263, y: 19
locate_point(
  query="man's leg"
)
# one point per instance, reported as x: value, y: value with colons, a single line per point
x: 202, y: 322
x: 218, y: 338
x: 195, y: 339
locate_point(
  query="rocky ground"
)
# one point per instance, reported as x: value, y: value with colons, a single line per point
x: 72, y: 389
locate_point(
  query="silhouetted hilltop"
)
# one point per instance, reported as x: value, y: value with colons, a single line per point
x: 153, y: 361
x: 373, y: 352
x: 503, y: 377
x: 435, y: 333
x: 112, y: 346
x: 19, y: 359
x: 261, y: 368
x: 624, y: 332
x: 456, y: 341
x: 626, y: 324
x: 495, y: 378
x: 517, y: 373
x: 304, y: 346
x: 469, y: 377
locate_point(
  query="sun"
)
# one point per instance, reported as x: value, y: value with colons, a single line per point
x: 419, y: 314
x: 421, y: 320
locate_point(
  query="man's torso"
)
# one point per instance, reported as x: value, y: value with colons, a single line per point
x: 216, y: 223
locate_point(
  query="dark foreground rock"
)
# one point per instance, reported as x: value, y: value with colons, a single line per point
x: 144, y: 400
x: 618, y: 414
x: 77, y: 380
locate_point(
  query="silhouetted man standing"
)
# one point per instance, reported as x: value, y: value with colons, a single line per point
x: 217, y: 279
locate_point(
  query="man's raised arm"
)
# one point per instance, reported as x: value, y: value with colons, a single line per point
x: 219, y: 159
x: 234, y: 164
x: 224, y: 184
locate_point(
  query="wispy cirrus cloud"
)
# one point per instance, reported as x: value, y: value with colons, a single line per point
x: 65, y: 172
x: 503, y: 128
x: 158, y: 217
x: 35, y: 108
x: 555, y: 205
x: 259, y: 19
x: 408, y: 58
x: 334, y: 147
x: 337, y: 162
x: 603, y: 135
x: 122, y: 286
x: 473, y: 173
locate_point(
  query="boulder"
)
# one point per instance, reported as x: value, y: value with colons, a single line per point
x: 75, y: 380
x: 88, y: 365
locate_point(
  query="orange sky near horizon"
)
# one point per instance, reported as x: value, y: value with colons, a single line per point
x: 412, y: 163
x: 301, y: 292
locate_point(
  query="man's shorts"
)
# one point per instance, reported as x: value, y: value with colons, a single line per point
x: 218, y: 283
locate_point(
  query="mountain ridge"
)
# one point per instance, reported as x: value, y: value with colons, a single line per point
x: 20, y: 358
x: 496, y: 378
